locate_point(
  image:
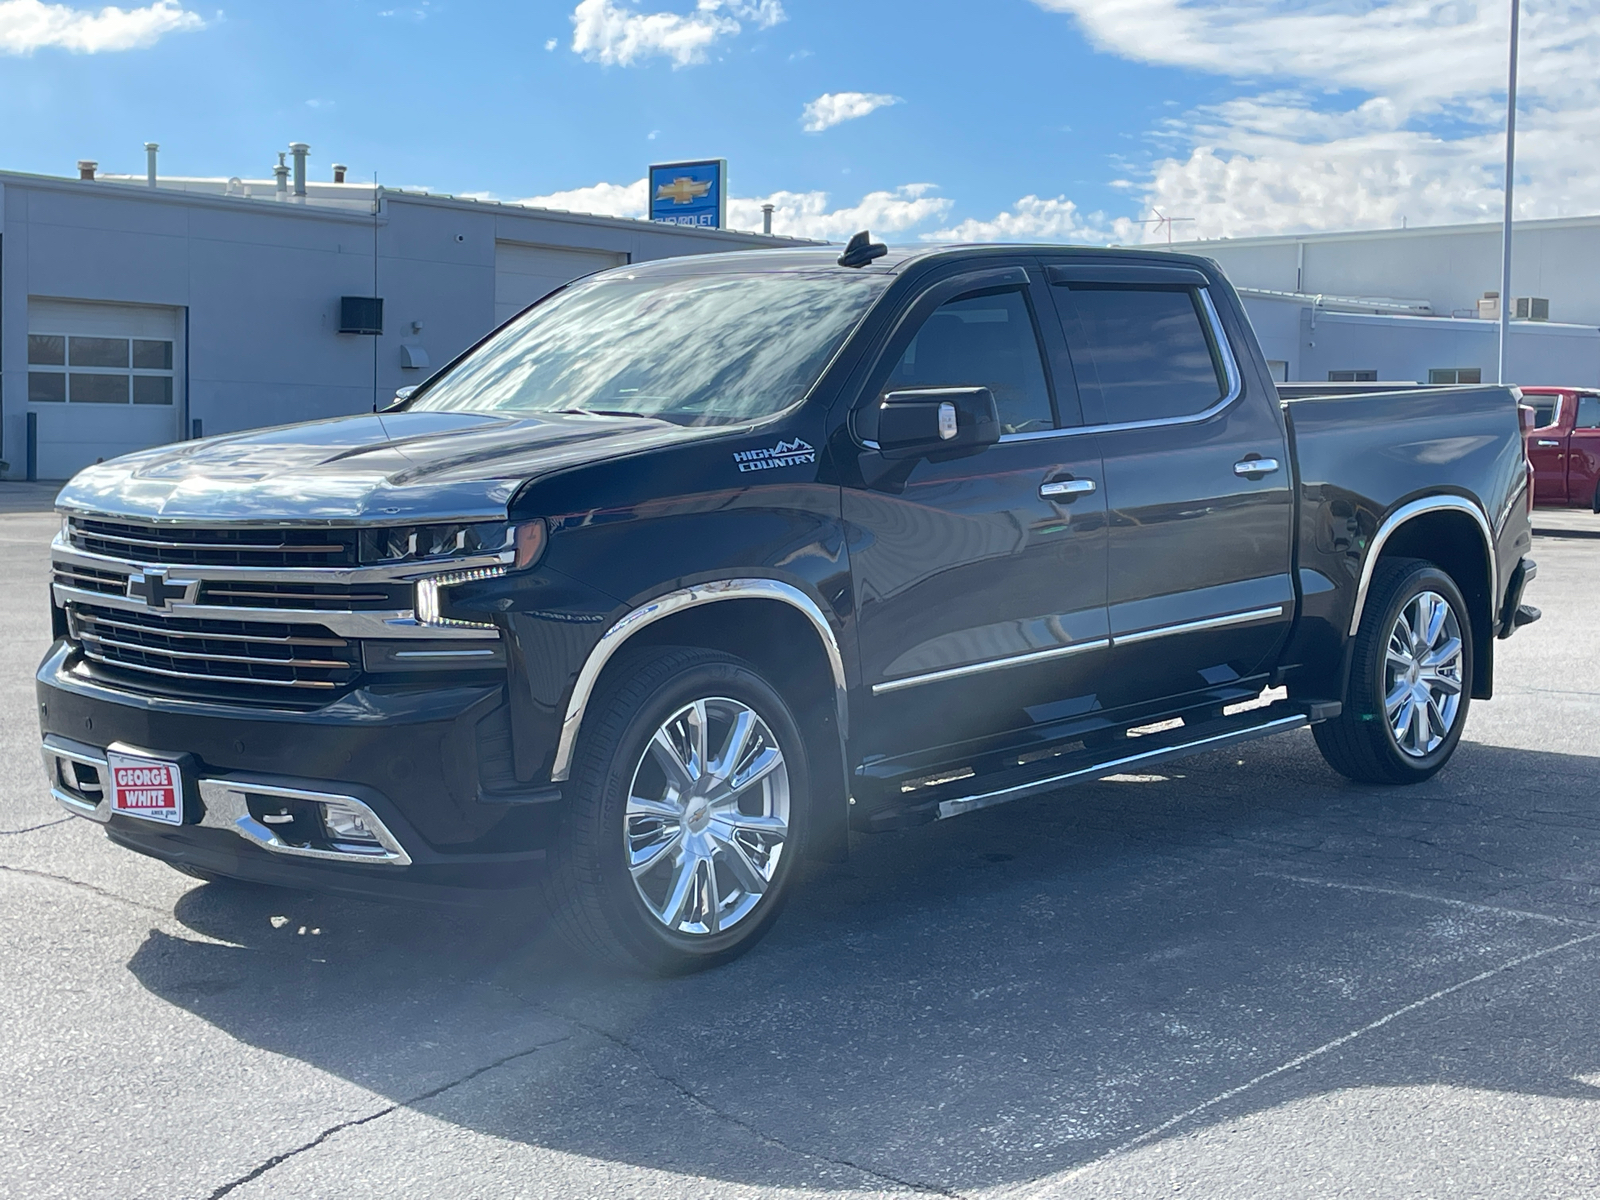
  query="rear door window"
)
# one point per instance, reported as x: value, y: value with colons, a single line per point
x: 1588, y: 413
x: 1149, y: 347
x: 982, y: 341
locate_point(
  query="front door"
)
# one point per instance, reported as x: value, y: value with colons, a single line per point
x: 1547, y: 449
x: 980, y: 580
x: 1197, y: 482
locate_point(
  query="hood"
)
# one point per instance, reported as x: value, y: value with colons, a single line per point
x: 379, y: 468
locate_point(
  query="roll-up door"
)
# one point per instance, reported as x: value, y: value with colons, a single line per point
x: 523, y: 273
x: 103, y: 380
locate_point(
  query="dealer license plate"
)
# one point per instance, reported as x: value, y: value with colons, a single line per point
x: 149, y: 788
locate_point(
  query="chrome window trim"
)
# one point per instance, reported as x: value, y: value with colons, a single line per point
x: 1407, y: 512
x: 645, y: 615
x: 992, y: 664
x: 1230, y: 367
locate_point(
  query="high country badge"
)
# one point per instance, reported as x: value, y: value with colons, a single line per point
x: 784, y: 454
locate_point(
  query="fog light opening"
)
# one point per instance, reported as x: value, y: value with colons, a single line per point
x: 348, y: 830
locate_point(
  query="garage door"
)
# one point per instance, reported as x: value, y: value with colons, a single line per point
x: 103, y: 380
x: 523, y: 273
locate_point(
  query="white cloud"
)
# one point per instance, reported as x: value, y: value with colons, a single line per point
x: 807, y: 215
x: 607, y: 33
x: 1371, y: 110
x: 602, y: 199
x: 1032, y: 219
x: 551, y: 44
x: 795, y: 214
x: 835, y: 108
x: 29, y: 25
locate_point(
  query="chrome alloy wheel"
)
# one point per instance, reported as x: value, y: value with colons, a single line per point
x: 707, y: 816
x: 1422, y: 676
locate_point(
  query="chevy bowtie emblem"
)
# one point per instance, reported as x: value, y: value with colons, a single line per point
x: 152, y: 587
x: 683, y: 190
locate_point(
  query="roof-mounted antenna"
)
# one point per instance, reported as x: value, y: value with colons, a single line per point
x: 861, y: 250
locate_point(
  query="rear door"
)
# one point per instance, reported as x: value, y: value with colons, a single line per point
x: 1198, y: 481
x: 980, y: 588
x: 1547, y: 446
x: 1583, y: 452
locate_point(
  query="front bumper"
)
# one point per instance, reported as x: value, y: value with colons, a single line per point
x: 409, y: 758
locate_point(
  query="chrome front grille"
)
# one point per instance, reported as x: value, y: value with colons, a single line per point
x: 306, y: 597
x: 91, y: 579
x: 244, y: 546
x: 248, y: 660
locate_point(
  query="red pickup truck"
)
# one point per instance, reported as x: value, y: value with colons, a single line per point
x: 1564, y: 447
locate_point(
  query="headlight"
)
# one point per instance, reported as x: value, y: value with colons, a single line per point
x: 415, y: 543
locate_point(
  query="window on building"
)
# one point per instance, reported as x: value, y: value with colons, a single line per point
x: 65, y: 368
x: 1278, y: 369
x: 983, y: 341
x: 1588, y: 413
x: 1352, y: 377
x: 1449, y: 375
x: 1151, y: 349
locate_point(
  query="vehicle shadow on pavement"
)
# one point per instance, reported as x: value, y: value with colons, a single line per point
x: 989, y: 1000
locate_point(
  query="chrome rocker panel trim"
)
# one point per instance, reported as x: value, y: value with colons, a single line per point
x: 1407, y: 512
x: 674, y: 602
x: 966, y: 804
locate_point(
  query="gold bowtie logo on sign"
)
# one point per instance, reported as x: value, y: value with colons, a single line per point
x: 683, y: 190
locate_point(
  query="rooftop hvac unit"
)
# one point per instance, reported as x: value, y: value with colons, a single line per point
x: 1531, y: 308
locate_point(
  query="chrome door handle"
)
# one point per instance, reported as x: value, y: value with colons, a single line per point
x: 1069, y: 488
x: 1256, y: 466
x: 1541, y: 442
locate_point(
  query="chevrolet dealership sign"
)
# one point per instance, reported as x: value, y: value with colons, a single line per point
x: 691, y: 193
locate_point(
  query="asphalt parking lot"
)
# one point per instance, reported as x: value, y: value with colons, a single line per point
x: 1240, y: 976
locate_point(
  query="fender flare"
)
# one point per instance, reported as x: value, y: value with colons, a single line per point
x: 1408, y: 512
x: 647, y: 614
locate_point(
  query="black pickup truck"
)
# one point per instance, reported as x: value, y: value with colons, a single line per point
x: 694, y: 567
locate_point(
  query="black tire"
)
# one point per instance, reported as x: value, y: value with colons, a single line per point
x: 588, y: 883
x: 1361, y: 743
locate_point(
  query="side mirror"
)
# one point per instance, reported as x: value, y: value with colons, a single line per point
x: 401, y: 395
x: 917, y: 422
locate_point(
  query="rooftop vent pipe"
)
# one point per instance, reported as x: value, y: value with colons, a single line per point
x: 281, y: 174
x: 338, y: 172
x: 150, y: 149
x: 86, y: 168
x: 299, y: 150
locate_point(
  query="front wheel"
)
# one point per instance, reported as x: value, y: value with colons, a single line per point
x: 687, y: 814
x: 1410, y: 679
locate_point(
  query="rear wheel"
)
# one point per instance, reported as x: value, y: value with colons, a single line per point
x: 687, y: 814
x: 1410, y: 679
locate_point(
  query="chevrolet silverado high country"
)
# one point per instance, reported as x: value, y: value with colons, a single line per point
x: 694, y: 567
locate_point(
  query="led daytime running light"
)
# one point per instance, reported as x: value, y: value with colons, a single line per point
x: 429, y: 607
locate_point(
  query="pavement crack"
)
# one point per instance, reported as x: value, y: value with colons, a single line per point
x: 761, y: 1135
x: 88, y: 887
x: 279, y: 1159
x: 32, y: 828
x: 1040, y: 1188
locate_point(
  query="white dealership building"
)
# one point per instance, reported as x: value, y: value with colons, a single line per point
x: 1420, y: 305
x: 142, y: 310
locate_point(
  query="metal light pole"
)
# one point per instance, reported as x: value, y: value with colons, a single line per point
x: 1505, y: 233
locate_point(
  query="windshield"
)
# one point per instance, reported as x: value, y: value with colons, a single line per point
x: 692, y: 349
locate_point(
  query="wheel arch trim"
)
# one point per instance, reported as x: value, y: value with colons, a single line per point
x: 678, y: 601
x: 1409, y: 512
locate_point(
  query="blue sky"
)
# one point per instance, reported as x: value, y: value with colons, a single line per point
x: 1062, y: 119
